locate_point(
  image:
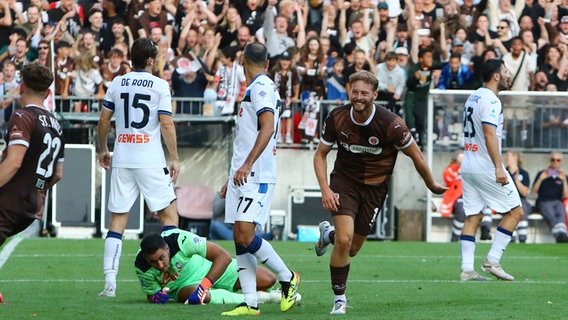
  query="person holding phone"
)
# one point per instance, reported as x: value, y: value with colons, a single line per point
x: 551, y: 187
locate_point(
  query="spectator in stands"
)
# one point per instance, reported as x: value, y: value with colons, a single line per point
x: 360, y: 62
x: 501, y: 10
x: 550, y: 127
x: 365, y: 40
x: 520, y: 66
x: 114, y: 67
x: 392, y: 81
x: 9, y: 88
x: 276, y: 32
x: 44, y: 54
x: 189, y: 83
x: 85, y: 45
x: 481, y: 31
x: 478, y: 61
x: 287, y: 82
x: 551, y: 187
x: 7, y: 17
x: 88, y: 82
x: 554, y: 65
x: 33, y: 17
x: 540, y: 81
x: 329, y: 27
x: 229, y: 82
x: 452, y: 202
x: 513, y: 164
x: 229, y: 27
x: 251, y: 12
x: 95, y: 18
x: 64, y: 67
x: 68, y: 14
x: 455, y: 75
x: 402, y: 60
x: 243, y: 37
x: 336, y: 82
x: 420, y: 77
x: 154, y: 15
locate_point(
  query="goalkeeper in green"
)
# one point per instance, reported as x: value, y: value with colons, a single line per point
x: 189, y: 269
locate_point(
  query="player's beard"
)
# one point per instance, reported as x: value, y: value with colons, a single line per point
x: 366, y: 105
x: 503, y: 84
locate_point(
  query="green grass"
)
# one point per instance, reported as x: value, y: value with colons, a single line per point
x: 60, y: 279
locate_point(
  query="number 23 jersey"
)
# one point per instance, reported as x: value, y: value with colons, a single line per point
x: 137, y: 100
x: 482, y: 107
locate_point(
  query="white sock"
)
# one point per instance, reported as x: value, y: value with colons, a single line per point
x: 268, y: 256
x: 246, y: 264
x: 113, y: 250
x: 467, y: 248
x: 340, y: 297
x: 500, y: 243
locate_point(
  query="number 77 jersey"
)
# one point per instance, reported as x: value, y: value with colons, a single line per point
x: 482, y: 107
x: 137, y: 100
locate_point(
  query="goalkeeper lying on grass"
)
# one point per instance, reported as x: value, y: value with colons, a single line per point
x: 189, y: 269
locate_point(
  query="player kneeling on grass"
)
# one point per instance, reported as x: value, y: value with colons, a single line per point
x: 189, y: 269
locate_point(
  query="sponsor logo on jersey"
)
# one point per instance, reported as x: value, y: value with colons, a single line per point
x: 241, y: 112
x: 355, y: 148
x: 262, y: 94
x: 373, y: 140
x: 137, y: 138
x: 471, y: 147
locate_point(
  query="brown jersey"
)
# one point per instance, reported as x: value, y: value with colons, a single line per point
x: 39, y: 131
x: 366, y: 152
x: 108, y: 75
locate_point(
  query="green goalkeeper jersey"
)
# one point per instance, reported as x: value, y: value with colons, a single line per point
x: 187, y: 265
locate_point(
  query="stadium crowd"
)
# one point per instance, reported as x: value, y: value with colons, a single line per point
x: 314, y: 46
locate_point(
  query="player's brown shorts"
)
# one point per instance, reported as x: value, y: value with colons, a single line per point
x: 362, y: 202
x: 12, y: 223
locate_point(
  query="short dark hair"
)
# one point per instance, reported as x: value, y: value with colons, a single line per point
x: 391, y: 55
x: 256, y: 53
x: 423, y: 51
x: 365, y: 76
x: 36, y: 77
x: 142, y: 50
x: 489, y: 68
x: 455, y: 55
x: 151, y: 243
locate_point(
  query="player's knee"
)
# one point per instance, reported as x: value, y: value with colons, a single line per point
x: 343, y: 243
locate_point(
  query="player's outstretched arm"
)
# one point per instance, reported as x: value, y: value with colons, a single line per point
x: 422, y: 167
x: 12, y: 163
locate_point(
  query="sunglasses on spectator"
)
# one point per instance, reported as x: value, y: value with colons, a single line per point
x: 502, y: 27
x: 43, y: 48
x: 555, y: 160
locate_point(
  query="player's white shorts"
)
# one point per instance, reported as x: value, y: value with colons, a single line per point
x: 126, y: 184
x: 481, y: 190
x: 250, y: 202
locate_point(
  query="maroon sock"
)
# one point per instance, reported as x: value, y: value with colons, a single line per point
x: 339, y: 279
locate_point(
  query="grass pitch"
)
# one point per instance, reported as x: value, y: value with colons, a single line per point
x: 60, y: 279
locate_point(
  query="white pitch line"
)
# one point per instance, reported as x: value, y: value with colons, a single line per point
x: 433, y: 281
x: 8, y: 249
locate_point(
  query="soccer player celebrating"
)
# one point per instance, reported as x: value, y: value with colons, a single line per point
x: 32, y: 162
x: 251, y: 183
x: 192, y: 270
x: 369, y: 138
x: 485, y: 180
x: 142, y: 107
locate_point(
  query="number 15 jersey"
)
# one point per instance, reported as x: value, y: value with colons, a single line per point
x: 137, y: 100
x: 482, y: 107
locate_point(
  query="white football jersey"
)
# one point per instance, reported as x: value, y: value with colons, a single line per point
x: 137, y: 100
x: 482, y: 107
x: 261, y: 96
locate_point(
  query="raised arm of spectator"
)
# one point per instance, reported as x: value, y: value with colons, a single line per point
x: 499, y: 46
x: 20, y: 19
x: 443, y: 42
x: 376, y: 23
x: 342, y: 18
x: 6, y: 20
x: 408, y: 13
x: 414, y: 46
x: 268, y: 24
x: 324, y: 22
x: 563, y: 65
x: 211, y: 17
x: 301, y: 39
x: 211, y: 7
x: 186, y: 25
x: 493, y: 14
x: 170, y: 6
x: 391, y: 34
x: 129, y: 37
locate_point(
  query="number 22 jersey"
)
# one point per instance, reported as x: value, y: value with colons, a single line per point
x: 137, y: 100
